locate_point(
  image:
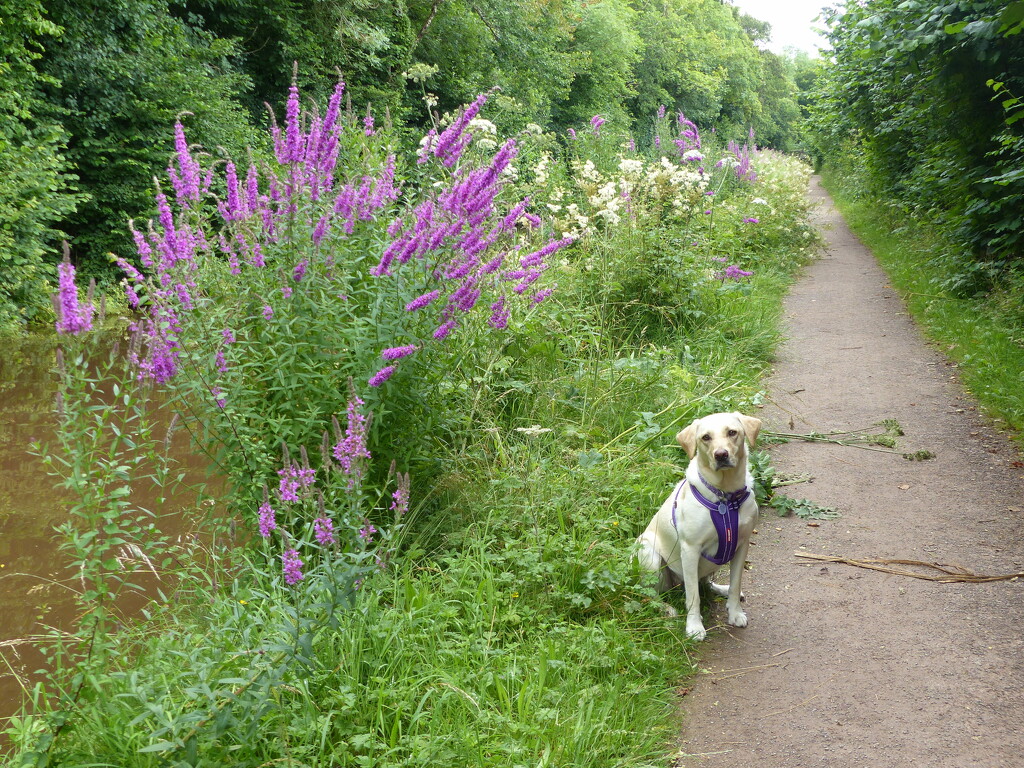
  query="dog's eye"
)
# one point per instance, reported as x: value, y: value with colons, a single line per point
x: 706, y: 436
x: 732, y: 433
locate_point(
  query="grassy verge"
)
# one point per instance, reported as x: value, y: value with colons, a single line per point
x: 978, y: 333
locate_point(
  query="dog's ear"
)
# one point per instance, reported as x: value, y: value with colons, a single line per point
x: 751, y: 426
x: 688, y: 439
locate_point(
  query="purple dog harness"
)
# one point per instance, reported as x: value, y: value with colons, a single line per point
x: 725, y: 514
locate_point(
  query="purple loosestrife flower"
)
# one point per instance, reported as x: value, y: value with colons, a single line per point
x: 595, y: 124
x: 657, y: 142
x: 541, y: 295
x: 73, y: 318
x: 268, y: 311
x: 321, y: 229
x: 452, y: 142
x: 368, y: 125
x: 294, y: 479
x: 291, y: 565
x: 400, y: 503
x: 367, y: 531
x: 499, y: 315
x: 267, y: 520
x: 752, y: 220
x: 323, y: 530
x: 442, y: 331
x: 733, y: 272
x: 382, y: 375
x: 572, y: 133
x: 184, y: 178
x: 421, y: 301
x: 300, y: 270
x: 396, y: 353
x: 232, y: 208
x: 252, y: 189
x: 661, y: 112
x: 293, y: 132
x: 218, y: 397
x: 350, y: 450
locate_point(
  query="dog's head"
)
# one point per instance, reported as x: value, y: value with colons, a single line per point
x: 720, y: 439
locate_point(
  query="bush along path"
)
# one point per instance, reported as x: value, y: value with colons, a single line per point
x: 845, y: 666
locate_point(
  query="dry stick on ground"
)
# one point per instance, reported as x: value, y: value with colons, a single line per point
x: 856, y: 441
x: 950, y: 573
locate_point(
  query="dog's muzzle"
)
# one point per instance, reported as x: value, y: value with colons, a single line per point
x: 723, y: 460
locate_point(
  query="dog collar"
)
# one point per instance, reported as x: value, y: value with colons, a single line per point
x: 725, y: 514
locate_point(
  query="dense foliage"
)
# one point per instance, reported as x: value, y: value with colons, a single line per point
x: 97, y: 86
x: 921, y: 107
x: 34, y: 174
x: 439, y: 377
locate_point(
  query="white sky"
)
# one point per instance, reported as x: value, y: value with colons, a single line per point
x: 791, y: 21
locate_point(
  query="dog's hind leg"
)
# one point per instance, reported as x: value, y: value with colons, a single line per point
x: 721, y: 590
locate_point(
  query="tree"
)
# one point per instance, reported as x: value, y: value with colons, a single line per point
x: 34, y: 194
x: 120, y: 75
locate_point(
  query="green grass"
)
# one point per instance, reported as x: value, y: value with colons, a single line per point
x: 985, y: 341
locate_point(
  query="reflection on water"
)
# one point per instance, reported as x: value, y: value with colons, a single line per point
x: 35, y: 587
x: 29, y: 510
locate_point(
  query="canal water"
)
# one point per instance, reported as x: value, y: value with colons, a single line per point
x: 36, y: 585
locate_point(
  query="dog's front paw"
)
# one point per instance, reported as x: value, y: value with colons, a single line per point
x: 737, y: 618
x: 695, y: 629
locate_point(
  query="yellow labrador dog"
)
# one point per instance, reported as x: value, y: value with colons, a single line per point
x: 707, y: 520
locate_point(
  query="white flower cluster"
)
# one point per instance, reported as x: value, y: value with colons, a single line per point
x: 682, y: 187
x: 607, y: 202
x: 540, y: 172
x: 479, y: 125
x: 631, y: 167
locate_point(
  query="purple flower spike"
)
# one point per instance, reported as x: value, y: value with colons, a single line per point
x: 72, y: 318
x: 267, y: 520
x: 445, y: 328
x: 499, y: 315
x: 595, y: 124
x: 421, y: 301
x: 400, y: 505
x: 291, y: 564
x: 323, y: 530
x: 382, y: 375
x: 351, y: 449
x: 185, y: 178
x: 397, y: 353
x: 752, y: 220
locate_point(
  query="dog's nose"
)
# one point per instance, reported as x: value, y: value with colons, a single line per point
x: 721, y: 455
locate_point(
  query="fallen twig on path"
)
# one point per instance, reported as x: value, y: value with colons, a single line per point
x: 725, y: 674
x: 950, y: 574
x: 834, y: 438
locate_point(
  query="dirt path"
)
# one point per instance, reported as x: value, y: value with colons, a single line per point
x: 842, y: 666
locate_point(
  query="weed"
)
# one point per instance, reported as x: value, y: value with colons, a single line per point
x: 803, y: 508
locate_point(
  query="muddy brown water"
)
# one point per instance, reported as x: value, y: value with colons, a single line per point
x: 36, y: 585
